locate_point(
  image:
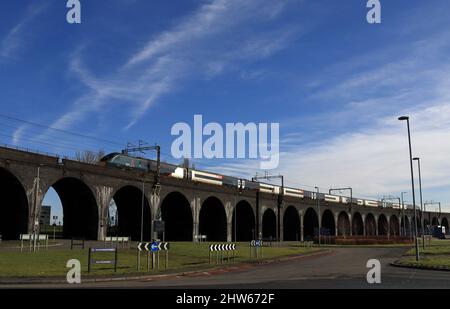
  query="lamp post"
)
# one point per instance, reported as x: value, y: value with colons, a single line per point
x: 421, y: 202
x: 319, y: 217
x: 403, y: 215
x: 402, y: 118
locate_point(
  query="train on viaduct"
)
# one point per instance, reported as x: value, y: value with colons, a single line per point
x: 188, y: 208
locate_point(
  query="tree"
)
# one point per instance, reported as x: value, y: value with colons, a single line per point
x: 89, y: 156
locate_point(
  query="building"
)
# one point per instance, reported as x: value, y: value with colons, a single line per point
x: 45, y: 216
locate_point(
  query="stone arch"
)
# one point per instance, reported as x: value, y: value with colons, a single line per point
x: 80, y: 209
x: 371, y: 225
x: 291, y: 224
x: 310, y: 223
x: 213, y: 219
x: 383, y: 226
x: 243, y: 222
x: 328, y: 224
x: 394, y: 226
x: 13, y: 207
x: 357, y: 224
x: 132, y: 215
x: 269, y: 224
x: 405, y: 226
x: 343, y: 224
x: 177, y: 216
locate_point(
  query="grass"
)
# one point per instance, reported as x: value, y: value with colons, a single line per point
x: 436, y: 254
x: 182, y: 257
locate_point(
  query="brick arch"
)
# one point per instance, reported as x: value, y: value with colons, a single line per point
x: 213, y: 219
x: 80, y: 208
x: 14, y: 209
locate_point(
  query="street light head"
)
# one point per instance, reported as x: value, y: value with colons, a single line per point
x: 403, y: 118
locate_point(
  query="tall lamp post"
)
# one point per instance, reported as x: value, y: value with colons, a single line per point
x: 319, y: 217
x: 421, y: 202
x: 402, y: 118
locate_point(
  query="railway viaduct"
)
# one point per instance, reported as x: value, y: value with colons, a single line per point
x: 188, y: 209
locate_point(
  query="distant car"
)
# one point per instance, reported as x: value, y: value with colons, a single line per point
x: 438, y: 231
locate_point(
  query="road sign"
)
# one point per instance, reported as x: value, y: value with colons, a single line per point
x: 154, y: 247
x: 219, y: 249
x: 222, y: 247
x: 112, y: 261
x: 256, y: 243
x: 163, y: 246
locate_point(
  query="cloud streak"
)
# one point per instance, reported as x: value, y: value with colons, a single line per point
x: 14, y: 38
x: 198, y: 46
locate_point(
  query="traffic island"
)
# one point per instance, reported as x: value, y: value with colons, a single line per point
x: 435, y: 256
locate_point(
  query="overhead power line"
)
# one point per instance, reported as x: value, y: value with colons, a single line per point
x: 59, y: 130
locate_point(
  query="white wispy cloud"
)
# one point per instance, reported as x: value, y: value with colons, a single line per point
x: 14, y: 40
x: 199, y: 45
x: 18, y: 134
x: 370, y: 151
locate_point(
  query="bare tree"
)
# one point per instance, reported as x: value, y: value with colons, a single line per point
x: 89, y: 156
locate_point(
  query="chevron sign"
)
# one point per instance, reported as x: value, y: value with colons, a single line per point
x: 256, y: 243
x: 153, y: 246
x: 222, y: 247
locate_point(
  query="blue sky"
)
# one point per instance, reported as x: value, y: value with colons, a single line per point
x: 333, y: 82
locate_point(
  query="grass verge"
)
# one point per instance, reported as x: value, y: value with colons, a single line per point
x: 182, y: 257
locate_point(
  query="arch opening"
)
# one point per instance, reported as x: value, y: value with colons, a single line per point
x: 213, y: 220
x: 128, y: 201
x: 177, y: 216
x: 357, y: 224
x: 311, y: 223
x: 243, y: 222
x: 328, y: 224
x: 80, y: 210
x: 291, y: 224
x: 269, y: 224
x: 371, y: 226
x: 394, y: 226
x: 383, y: 226
x: 435, y: 221
x: 13, y: 207
x: 405, y: 226
x: 444, y: 223
x: 343, y: 224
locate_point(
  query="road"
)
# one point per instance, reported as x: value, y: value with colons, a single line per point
x: 344, y: 268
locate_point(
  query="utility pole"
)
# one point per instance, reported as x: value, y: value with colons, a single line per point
x: 319, y: 217
x: 35, y: 215
x: 280, y: 196
x: 351, y: 199
x: 390, y: 198
x: 156, y: 186
x: 142, y: 148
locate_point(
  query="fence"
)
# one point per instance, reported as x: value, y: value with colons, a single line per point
x: 118, y: 241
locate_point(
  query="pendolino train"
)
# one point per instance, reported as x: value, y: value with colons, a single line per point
x: 124, y: 161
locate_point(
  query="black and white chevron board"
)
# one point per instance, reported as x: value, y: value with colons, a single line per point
x: 153, y: 246
x: 220, y: 250
x: 222, y: 247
